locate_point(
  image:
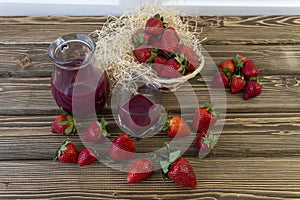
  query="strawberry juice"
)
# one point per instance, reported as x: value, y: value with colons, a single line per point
x: 77, y: 80
x: 139, y: 114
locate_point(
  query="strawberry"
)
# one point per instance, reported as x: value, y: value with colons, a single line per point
x: 249, y: 70
x: 220, y: 80
x: 237, y: 84
x: 176, y: 126
x: 67, y: 153
x: 190, y: 55
x: 140, y: 170
x: 122, y: 148
x: 86, y: 157
x: 227, y: 64
x: 169, y: 41
x: 96, y: 132
x: 154, y: 25
x: 205, y: 116
x: 143, y: 53
x: 206, y: 142
x: 253, y: 88
x: 182, y: 173
x: 174, y: 67
x: 140, y: 37
x: 155, y: 42
x: 159, y: 63
x: 179, y: 170
x: 64, y: 124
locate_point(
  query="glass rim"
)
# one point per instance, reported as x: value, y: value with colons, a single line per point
x: 67, y: 38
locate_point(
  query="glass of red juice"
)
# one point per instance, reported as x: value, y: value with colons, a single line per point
x: 79, y: 83
x: 139, y: 112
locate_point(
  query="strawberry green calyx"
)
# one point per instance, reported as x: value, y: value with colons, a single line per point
x: 70, y: 122
x: 170, y: 158
x: 226, y: 71
x: 238, y: 61
x: 139, y: 39
x: 63, y: 147
x: 183, y: 63
x: 211, y: 141
x: 102, y: 125
x: 258, y: 79
x: 167, y: 125
x: 210, y: 108
x: 162, y: 19
x: 154, y: 53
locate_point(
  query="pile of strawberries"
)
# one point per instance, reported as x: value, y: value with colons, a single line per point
x: 123, y: 148
x: 238, y: 74
x: 159, y: 45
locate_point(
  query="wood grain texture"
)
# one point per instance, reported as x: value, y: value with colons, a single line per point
x: 219, y: 30
x: 32, y: 95
x: 243, y: 135
x: 222, y: 178
x: 32, y: 61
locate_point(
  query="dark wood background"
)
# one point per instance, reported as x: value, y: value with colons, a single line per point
x: 258, y: 153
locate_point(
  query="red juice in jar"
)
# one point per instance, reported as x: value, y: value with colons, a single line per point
x: 78, y: 83
x: 139, y: 113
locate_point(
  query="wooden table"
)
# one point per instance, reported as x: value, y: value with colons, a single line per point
x: 258, y: 153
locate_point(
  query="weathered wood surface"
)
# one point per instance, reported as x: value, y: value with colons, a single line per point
x: 258, y: 153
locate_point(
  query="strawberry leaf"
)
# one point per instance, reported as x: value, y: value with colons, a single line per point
x: 68, y: 130
x: 166, y: 126
x: 64, y: 122
x: 102, y: 126
x: 63, y: 147
x: 157, y: 16
x: 165, y: 166
x: 174, y: 155
x: 210, y: 141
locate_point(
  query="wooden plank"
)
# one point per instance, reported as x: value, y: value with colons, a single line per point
x: 219, y: 30
x: 33, y: 61
x: 33, y: 96
x: 222, y: 178
x: 243, y: 135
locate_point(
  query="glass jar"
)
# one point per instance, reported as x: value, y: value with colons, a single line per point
x: 79, y: 84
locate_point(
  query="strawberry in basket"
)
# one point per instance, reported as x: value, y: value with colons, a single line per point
x: 159, y: 44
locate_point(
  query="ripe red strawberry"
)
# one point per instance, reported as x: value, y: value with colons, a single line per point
x: 67, y: 153
x: 169, y: 41
x: 205, y: 116
x: 176, y: 126
x: 159, y: 63
x: 177, y: 169
x: 143, y: 53
x: 173, y: 68
x: 64, y: 124
x: 253, y: 88
x: 190, y: 55
x: 237, y: 84
x: 140, y: 170
x: 249, y: 70
x: 96, y: 132
x: 155, y: 42
x: 206, y: 142
x: 140, y: 37
x: 182, y: 173
x: 122, y: 148
x: 86, y: 157
x: 220, y: 80
x: 227, y: 64
x: 154, y: 25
